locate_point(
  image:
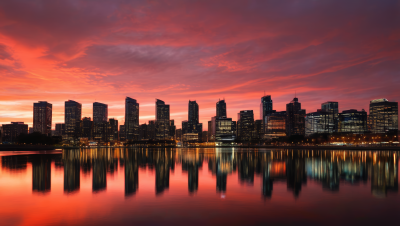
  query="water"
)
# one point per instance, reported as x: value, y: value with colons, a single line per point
x: 198, y: 186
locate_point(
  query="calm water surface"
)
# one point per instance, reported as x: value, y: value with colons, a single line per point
x: 199, y: 186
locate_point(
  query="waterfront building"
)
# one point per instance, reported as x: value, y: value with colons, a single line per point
x: 193, y: 112
x: 73, y: 114
x: 143, y: 132
x: 204, y: 136
x: 131, y: 119
x: 295, y: 118
x: 60, y: 129
x: 42, y: 116
x: 192, y: 125
x: 383, y: 116
x: 178, y: 135
x: 87, y: 128
x: 190, y: 137
x: 100, y: 117
x: 332, y: 109
x: 258, y: 129
x: 30, y: 130
x: 151, y: 130
x: 265, y: 107
x: 112, y: 130
x: 317, y: 122
x: 223, y: 129
x: 275, y: 125
x: 172, y: 129
x: 353, y: 121
x: 162, y: 120
x: 221, y: 109
x: 11, y: 131
x: 122, y: 133
x: 245, y: 125
x: 210, y: 136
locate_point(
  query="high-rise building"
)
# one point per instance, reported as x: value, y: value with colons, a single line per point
x: 383, y: 116
x: 317, y: 122
x: 122, y: 133
x: 275, y: 125
x: 100, y: 112
x: 12, y: 131
x: 73, y: 113
x: 295, y: 118
x: 143, y: 132
x: 353, y: 121
x: 193, y: 114
x: 178, y: 135
x: 265, y: 106
x: 131, y: 119
x: 60, y: 129
x: 193, y: 126
x: 162, y: 120
x: 223, y: 130
x: 221, y: 109
x: 245, y: 125
x: 42, y: 115
x: 332, y: 109
x: 151, y: 130
x: 112, y: 130
x: 258, y: 129
x: 100, y: 117
x: 209, y: 132
x: 87, y: 128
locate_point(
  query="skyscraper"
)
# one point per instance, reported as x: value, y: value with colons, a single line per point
x: 100, y: 112
x: 162, y: 120
x: 221, y: 109
x: 87, y: 128
x: 100, y: 117
x: 73, y: 114
x: 112, y: 130
x: 42, y: 115
x: 193, y: 115
x: 383, y: 116
x: 295, y: 118
x: 265, y: 106
x: 131, y: 119
x: 332, y: 109
x: 245, y: 125
x: 353, y: 121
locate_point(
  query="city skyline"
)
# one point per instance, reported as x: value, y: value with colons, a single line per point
x: 178, y: 52
x: 205, y: 128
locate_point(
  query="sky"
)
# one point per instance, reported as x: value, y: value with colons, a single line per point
x: 206, y: 50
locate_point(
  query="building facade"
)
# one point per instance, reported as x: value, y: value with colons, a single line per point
x: 295, y: 118
x: 245, y: 125
x: 383, y: 116
x: 353, y: 121
x: 131, y: 119
x: 162, y: 120
x: 275, y: 125
x: 332, y: 109
x: 221, y: 109
x: 317, y: 122
x: 265, y: 107
x: 12, y: 131
x: 42, y: 117
x: 73, y: 114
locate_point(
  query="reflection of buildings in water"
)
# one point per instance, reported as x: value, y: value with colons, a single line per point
x: 246, y: 167
x: 221, y: 164
x: 325, y: 171
x: 14, y: 163
x: 191, y: 162
x: 295, y: 173
x: 272, y: 170
x: 99, y: 175
x: 131, y: 173
x: 384, y: 176
x: 71, y: 170
x: 41, y: 174
x: 162, y: 165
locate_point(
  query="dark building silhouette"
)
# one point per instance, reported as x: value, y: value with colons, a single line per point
x: 60, y: 129
x: 193, y: 115
x: 112, y: 130
x: 87, y: 128
x: 221, y: 109
x: 73, y: 114
x: 143, y: 132
x: 42, y: 116
x: 353, y: 121
x: 41, y: 174
x: 12, y: 131
x: 295, y: 118
x: 245, y: 125
x: 14, y: 163
x: 151, y: 130
x: 131, y: 119
x: 100, y: 117
x: 265, y: 107
x: 162, y: 120
x: 122, y: 133
x: 383, y: 116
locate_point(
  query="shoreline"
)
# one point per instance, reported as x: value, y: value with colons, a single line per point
x: 48, y: 148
